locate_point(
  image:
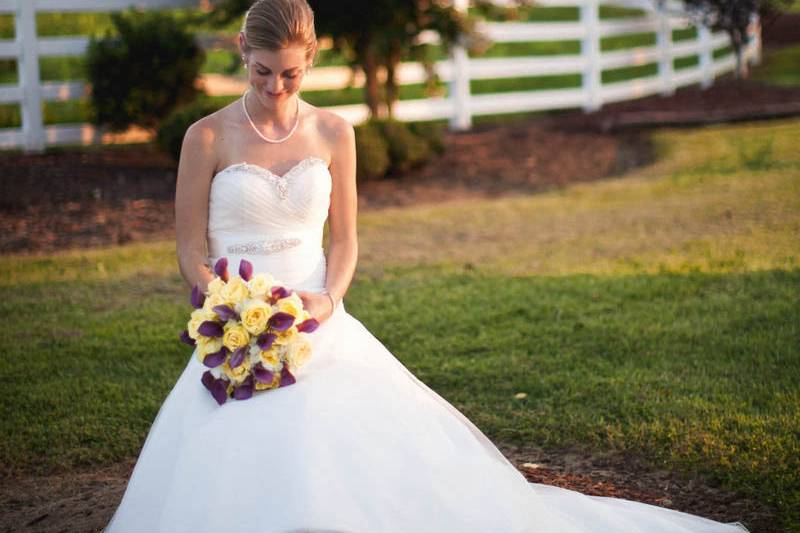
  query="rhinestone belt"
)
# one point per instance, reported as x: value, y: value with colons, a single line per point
x: 263, y: 247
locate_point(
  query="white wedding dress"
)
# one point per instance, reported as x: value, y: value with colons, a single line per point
x: 358, y: 444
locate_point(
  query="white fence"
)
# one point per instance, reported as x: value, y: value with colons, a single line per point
x: 459, y: 107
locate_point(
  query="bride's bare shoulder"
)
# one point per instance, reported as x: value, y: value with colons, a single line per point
x: 206, y: 137
x: 335, y: 131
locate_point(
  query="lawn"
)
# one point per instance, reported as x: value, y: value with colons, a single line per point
x: 656, y: 313
x: 780, y: 66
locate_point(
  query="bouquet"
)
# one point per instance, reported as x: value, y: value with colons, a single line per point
x: 249, y: 331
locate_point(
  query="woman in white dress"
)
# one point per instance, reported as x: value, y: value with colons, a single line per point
x: 357, y: 444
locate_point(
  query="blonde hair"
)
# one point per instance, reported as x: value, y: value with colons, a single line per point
x: 276, y: 24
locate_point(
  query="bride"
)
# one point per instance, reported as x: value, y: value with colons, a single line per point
x: 358, y: 444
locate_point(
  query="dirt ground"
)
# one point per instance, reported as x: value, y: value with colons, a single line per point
x: 66, y: 199
x: 83, y: 501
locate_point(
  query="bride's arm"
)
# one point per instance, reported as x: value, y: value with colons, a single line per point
x: 343, y: 240
x: 195, y: 169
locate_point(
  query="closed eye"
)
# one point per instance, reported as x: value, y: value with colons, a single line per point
x: 260, y: 73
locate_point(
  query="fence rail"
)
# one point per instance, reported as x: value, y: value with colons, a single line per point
x: 458, y: 70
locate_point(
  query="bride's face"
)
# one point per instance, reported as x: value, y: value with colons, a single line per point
x: 276, y: 75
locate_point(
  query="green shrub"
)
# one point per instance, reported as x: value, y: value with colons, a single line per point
x: 372, y: 152
x: 171, y: 130
x: 393, y: 147
x: 430, y: 131
x: 140, y: 75
x: 406, y: 149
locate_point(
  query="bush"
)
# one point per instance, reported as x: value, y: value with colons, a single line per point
x: 372, y: 152
x: 406, y: 149
x: 140, y: 75
x: 430, y: 131
x: 173, y: 128
x: 393, y: 147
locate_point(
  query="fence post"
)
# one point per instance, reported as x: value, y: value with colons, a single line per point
x: 590, y: 53
x: 28, y: 75
x: 706, y: 56
x: 461, y: 119
x: 664, y: 44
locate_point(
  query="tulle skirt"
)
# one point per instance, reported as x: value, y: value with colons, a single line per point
x: 359, y: 445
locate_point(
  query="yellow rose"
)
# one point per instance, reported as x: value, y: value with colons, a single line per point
x: 271, y: 359
x: 299, y: 353
x: 255, y: 314
x: 288, y: 336
x: 215, y: 286
x: 207, y: 345
x: 234, y: 336
x: 239, y: 373
x: 261, y: 285
x: 212, y: 301
x: 235, y: 291
x: 197, y: 317
x: 292, y: 304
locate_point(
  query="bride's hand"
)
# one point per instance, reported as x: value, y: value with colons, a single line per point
x: 317, y: 304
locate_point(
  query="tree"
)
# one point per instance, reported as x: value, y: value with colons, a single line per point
x: 376, y: 35
x: 735, y: 18
x: 144, y: 71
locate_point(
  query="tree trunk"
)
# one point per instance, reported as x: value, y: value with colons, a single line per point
x: 737, y: 42
x: 371, y: 92
x: 392, y: 60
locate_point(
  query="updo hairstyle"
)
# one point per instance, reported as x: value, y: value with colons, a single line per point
x: 276, y: 24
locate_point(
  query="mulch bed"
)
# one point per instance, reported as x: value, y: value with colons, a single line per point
x: 780, y: 30
x: 728, y: 100
x: 65, y: 199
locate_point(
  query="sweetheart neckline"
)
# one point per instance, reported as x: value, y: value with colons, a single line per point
x: 300, y: 164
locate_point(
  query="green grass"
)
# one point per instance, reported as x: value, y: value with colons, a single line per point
x: 523, y: 49
x: 656, y: 313
x: 628, y: 73
x: 530, y: 83
x: 780, y: 66
x: 562, y: 13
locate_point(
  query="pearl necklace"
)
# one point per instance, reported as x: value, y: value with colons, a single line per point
x: 296, y: 122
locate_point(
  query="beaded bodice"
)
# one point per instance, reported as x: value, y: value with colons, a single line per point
x: 275, y: 221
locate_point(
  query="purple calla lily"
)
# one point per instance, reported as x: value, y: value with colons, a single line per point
x: 265, y: 340
x: 237, y: 357
x: 198, y: 298
x: 261, y: 374
x: 186, y: 339
x: 307, y: 326
x: 226, y: 312
x: 210, y: 328
x: 278, y: 293
x: 245, y: 269
x: 287, y: 378
x: 281, y: 321
x: 217, y: 387
x: 208, y: 379
x: 215, y: 359
x: 221, y: 268
x: 245, y: 390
